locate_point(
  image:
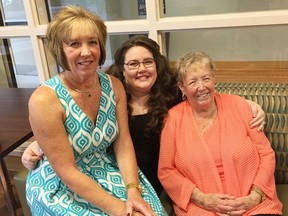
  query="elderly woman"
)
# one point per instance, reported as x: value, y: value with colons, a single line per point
x: 211, y: 162
x: 75, y: 117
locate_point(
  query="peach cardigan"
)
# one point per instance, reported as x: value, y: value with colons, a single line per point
x: 186, y: 162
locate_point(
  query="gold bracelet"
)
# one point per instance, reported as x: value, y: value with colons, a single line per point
x: 134, y: 185
x: 260, y: 192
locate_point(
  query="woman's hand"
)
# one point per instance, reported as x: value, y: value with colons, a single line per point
x: 31, y: 156
x: 136, y: 205
x: 258, y: 116
x: 240, y: 205
x: 211, y: 201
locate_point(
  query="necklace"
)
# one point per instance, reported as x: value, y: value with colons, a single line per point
x: 205, y: 123
x: 88, y: 92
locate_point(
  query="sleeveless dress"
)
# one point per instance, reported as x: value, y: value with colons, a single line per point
x: 48, y: 195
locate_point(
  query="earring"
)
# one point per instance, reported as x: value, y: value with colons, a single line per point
x: 184, y: 97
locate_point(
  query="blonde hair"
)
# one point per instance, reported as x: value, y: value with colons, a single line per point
x: 193, y: 59
x: 60, y: 28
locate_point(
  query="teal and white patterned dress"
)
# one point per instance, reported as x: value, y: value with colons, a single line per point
x: 48, y: 195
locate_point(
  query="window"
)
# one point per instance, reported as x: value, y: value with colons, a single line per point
x: 108, y: 10
x: 241, y: 33
x: 207, y: 7
x: 13, y: 13
x: 18, y: 64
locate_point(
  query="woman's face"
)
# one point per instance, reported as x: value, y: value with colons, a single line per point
x: 82, y: 51
x: 140, y: 80
x: 198, y: 86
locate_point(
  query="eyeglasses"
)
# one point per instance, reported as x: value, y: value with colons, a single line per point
x: 134, y: 65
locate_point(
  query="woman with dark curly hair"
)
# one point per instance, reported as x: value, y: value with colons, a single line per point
x: 151, y: 90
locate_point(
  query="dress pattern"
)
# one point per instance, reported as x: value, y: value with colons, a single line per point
x: 48, y: 195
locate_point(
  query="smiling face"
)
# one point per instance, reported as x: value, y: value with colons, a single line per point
x: 139, y: 80
x: 82, y: 50
x: 198, y: 85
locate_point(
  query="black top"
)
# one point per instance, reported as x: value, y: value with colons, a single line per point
x: 147, y: 145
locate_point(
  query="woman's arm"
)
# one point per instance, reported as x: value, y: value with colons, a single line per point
x: 123, y: 145
x: 46, y: 118
x: 264, y: 180
x: 258, y: 116
x: 264, y: 183
x: 125, y: 153
x: 177, y: 186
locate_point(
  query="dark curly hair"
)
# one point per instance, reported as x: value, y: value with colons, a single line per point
x: 164, y: 93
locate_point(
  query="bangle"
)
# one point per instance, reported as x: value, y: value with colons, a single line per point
x: 134, y: 185
x: 260, y: 192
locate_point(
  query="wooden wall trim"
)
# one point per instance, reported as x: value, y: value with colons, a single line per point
x: 251, y: 71
x: 252, y: 64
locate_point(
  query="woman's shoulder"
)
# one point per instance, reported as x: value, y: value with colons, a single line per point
x: 116, y: 83
x: 231, y: 102
x: 178, y: 109
x: 45, y: 93
x: 229, y: 98
x: 42, y: 98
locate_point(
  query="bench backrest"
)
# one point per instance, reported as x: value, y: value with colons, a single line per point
x: 273, y: 98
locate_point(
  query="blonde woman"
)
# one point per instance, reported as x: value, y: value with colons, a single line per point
x: 75, y: 116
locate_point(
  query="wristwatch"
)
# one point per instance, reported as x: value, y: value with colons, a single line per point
x: 134, y: 185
